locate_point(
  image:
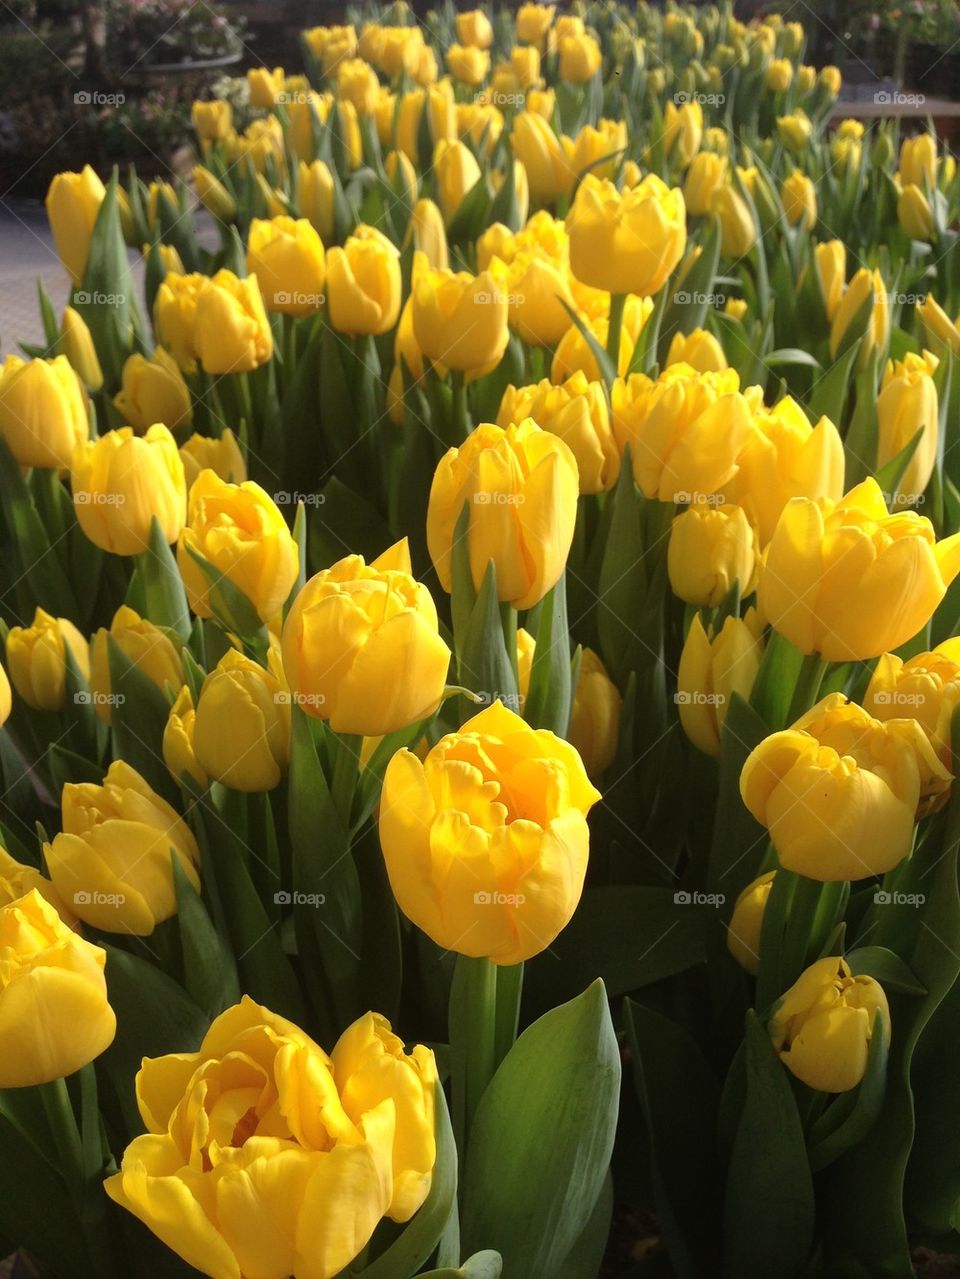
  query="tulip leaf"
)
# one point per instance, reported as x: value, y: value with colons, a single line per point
x: 107, y: 301
x: 418, y: 1240
x: 162, y: 585
x: 679, y: 1096
x: 769, y: 1211
x: 829, y: 395
x: 791, y: 356
x: 693, y: 295
x: 484, y: 665
x: 848, y: 1119
x: 542, y: 1138
x: 344, y: 522
x: 210, y: 974
x: 585, y: 1258
x: 505, y: 208
x: 886, y: 967
x: 482, y: 1265
x: 549, y: 696
x: 608, y: 370
x: 48, y: 317
x: 889, y: 475
x: 230, y: 606
x: 622, y: 590
x: 471, y: 215
x: 138, y: 716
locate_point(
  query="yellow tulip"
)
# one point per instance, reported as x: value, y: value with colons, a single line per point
x: 286, y: 257
x: 426, y: 232
x: 706, y: 175
x: 711, y: 546
x: 232, y: 332
x: 178, y: 753
x: 499, y: 873
x: 122, y: 481
x: 520, y: 485
x: 241, y: 728
x: 73, y: 202
x: 914, y: 213
x: 738, y: 228
x: 468, y: 64
x: 222, y: 455
x: 54, y: 1014
x: 823, y: 1025
x: 538, y: 149
x: 363, y: 283
x: 779, y: 75
x: 238, y: 529
x: 76, y: 343
x: 265, y: 86
x: 315, y: 196
x: 806, y: 79
x: 153, y: 390
x: 714, y: 666
x: 795, y: 131
x: 630, y: 242
x: 908, y: 403
x: 746, y: 923
x: 831, y: 264
x: 43, y: 411
x: 16, y: 880
x: 326, y: 1148
x: 6, y: 697
x: 831, y: 79
x: 331, y: 45
x: 474, y: 28
x: 144, y: 645
x: 541, y: 102
x: 799, y: 200
x: 213, y: 121
x: 36, y: 659
x: 686, y: 430
x: 590, y: 146
x: 398, y: 49
x: 536, y: 288
x: 735, y: 307
x: 533, y: 23
x: 864, y: 284
x: 918, y: 161
x: 925, y: 687
x: 459, y: 320
x: 525, y: 66
x: 682, y: 131
x: 699, y: 349
x: 361, y: 647
x: 839, y: 790
x: 595, y: 715
x: 357, y: 84
x: 113, y: 860
x: 573, y: 353
x: 481, y: 122
x: 457, y: 173
x: 941, y: 332
x: 580, y: 58
x: 576, y: 412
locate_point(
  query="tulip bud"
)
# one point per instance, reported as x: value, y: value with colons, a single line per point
x: 823, y: 1025
x: 363, y: 283
x: 357, y: 84
x: 77, y: 345
x: 178, y: 753
x: 43, y: 411
x: 54, y: 1014
x: 831, y: 264
x: 113, y: 858
x: 795, y: 132
x: 799, y: 200
x: 36, y: 659
x: 682, y: 131
x: 145, y: 646
x: 746, y: 923
x: 265, y: 86
x: 926, y: 687
x: 915, y: 214
x: 222, y: 455
x: 735, y: 307
x: 580, y: 58
x: 942, y: 333
x: 626, y: 242
x: 457, y: 173
x: 213, y: 195
x: 315, y: 193
x: 918, y: 161
x: 175, y: 316
x: 710, y: 548
x: 533, y: 23
x: 122, y: 482
x: 425, y: 231
x: 468, y: 65
x: 538, y: 149
x: 806, y: 78
x: 241, y: 731
x: 213, y: 121
x: 699, y: 349
x: 6, y: 697
x: 779, y: 75
x: 577, y: 413
x: 153, y: 390
x: 865, y: 284
x: 738, y: 229
x: 73, y: 202
x: 705, y: 176
x: 908, y: 403
x: 713, y: 668
x: 605, y: 143
x: 595, y: 715
x: 286, y: 256
x: 232, y: 332
x: 459, y: 319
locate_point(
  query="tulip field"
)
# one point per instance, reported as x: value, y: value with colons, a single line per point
x: 479, y: 673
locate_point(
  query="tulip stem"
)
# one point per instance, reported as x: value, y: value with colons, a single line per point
x: 477, y: 1053
x: 806, y: 691
x: 618, y: 302
x: 460, y: 422
x: 63, y: 1125
x: 346, y: 767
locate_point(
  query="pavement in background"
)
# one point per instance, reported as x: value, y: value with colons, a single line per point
x: 26, y: 252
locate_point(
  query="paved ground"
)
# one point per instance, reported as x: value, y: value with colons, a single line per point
x: 26, y: 252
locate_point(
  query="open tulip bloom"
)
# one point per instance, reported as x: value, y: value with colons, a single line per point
x: 486, y: 619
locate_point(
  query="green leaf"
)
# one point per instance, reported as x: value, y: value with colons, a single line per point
x: 694, y: 295
x: 849, y: 1119
x: 485, y: 666
x: 138, y: 716
x: 542, y: 1138
x: 229, y: 604
x: 209, y: 971
x: 890, y: 474
x: 829, y: 395
x: 550, y: 693
x: 790, y: 357
x: 482, y: 1265
x: 605, y: 364
x: 769, y: 1212
x: 886, y: 967
x: 162, y: 585
x: 472, y: 213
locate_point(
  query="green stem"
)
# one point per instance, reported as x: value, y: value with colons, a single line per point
x: 346, y: 770
x: 806, y: 691
x: 460, y: 416
x: 481, y: 1033
x: 63, y: 1125
x: 618, y: 302
x: 289, y: 329
x: 509, y: 990
x: 508, y: 620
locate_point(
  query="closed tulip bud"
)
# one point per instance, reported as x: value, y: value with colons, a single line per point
x: 361, y: 647
x: 686, y: 430
x: 232, y: 333
x: 54, y: 1014
x: 520, y: 485
x: 213, y: 195
x: 122, y: 482
x: 153, y: 390
x: 918, y: 161
x: 925, y: 687
x: 221, y: 455
x: 398, y: 49
x: 213, y: 121
x: 525, y: 65
x: 604, y: 143
x: 839, y: 790
x: 36, y: 660
x: 241, y: 732
x: 533, y: 23
x: 43, y: 411
x: 363, y: 283
x: 178, y: 753
x: 746, y: 923
x: 459, y: 320
x: 402, y: 176
x: 576, y: 412
x: 357, y: 84
x: 942, y: 333
x: 864, y: 285
x: 795, y: 132
x: 831, y: 265
x: 908, y: 403
x: 315, y: 196
x: 541, y: 102
x: 779, y: 75
x: 73, y: 202
x: 468, y: 64
x: 155, y: 192
x: 850, y: 581
x: 710, y: 548
x: 113, y: 860
x: 6, y: 697
x: 580, y: 58
x: 799, y: 200
x: 238, y: 529
x: 326, y: 1148
x: 712, y: 668
x: 265, y: 86
x: 914, y: 213
x: 629, y: 242
x: 573, y: 353
x: 77, y: 345
x: 682, y: 131
x: 823, y: 1025
x: 595, y: 715
x: 286, y: 257
x: 537, y: 288
x: 806, y: 78
x: 144, y: 645
x: 502, y: 895
x: 699, y: 349
x: 474, y: 29
x: 175, y: 316
x: 736, y: 308
x: 538, y: 149
x: 706, y: 175
x: 457, y: 173
x: 846, y: 154
x: 170, y: 259
x: 738, y: 229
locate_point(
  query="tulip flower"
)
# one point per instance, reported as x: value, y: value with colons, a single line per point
x: 706, y: 175
x: 357, y: 84
x: 831, y: 265
x: 848, y: 580
x: 538, y: 149
x: 213, y: 121
x: 315, y: 193
x: 520, y: 486
x: 144, y: 645
x: 241, y: 728
x: 711, y: 546
x: 73, y: 202
x: 122, y: 482
x: 361, y: 647
x: 831, y: 79
x: 265, y: 86
x: 576, y: 412
x: 54, y: 1014
x: 36, y: 659
x: 458, y: 870
x: 475, y: 29
x: 799, y: 200
x: 580, y: 58
x: 698, y: 349
x: 914, y: 213
x: 925, y: 687
x: 779, y: 75
x: 533, y: 23
x: 746, y: 923
x: 682, y: 131
x: 595, y: 715
x: 286, y: 256
x: 918, y: 161
x: 16, y: 880
x: 865, y: 284
x: 178, y: 753
x: 112, y: 862
x: 573, y: 353
x: 629, y: 242
x: 457, y: 173
x: 232, y: 333
x: 76, y: 343
x: 823, y: 1025
x: 941, y: 332
x: 712, y: 668
x: 6, y: 697
x: 204, y: 453
x: 468, y: 64
x: 839, y: 790
x: 326, y: 1148
x: 363, y: 283
x: 43, y: 411
x: 795, y: 131
x: 175, y: 316
x: 459, y: 320
x: 153, y: 390
x: 908, y: 403
x: 238, y: 529
x: 737, y: 227
x: 426, y: 232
